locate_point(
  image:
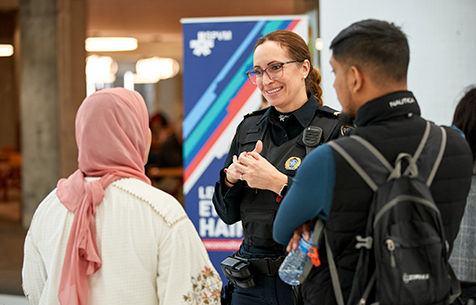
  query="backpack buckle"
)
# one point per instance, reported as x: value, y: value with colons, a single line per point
x: 364, y: 242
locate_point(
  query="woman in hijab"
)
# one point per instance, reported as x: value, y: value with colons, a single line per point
x: 105, y: 235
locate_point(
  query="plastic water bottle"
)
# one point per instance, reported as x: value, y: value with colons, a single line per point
x: 294, y: 263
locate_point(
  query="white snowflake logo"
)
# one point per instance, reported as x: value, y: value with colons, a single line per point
x: 202, y: 45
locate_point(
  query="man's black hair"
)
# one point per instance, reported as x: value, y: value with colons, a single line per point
x: 378, y: 45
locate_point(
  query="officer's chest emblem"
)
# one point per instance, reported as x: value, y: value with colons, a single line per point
x: 292, y: 163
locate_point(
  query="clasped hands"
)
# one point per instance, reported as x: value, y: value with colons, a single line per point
x: 256, y: 171
x: 259, y: 173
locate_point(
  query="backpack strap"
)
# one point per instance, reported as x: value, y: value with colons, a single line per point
x: 429, y: 152
x: 455, y: 285
x: 439, y: 157
x: 375, y: 169
x: 334, y: 274
x: 318, y: 233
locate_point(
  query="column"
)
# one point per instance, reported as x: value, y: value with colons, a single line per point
x: 52, y: 86
x: 71, y: 77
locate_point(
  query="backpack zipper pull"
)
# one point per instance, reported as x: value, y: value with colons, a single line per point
x: 391, y: 249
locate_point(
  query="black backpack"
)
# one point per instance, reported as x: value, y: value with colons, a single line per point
x: 404, y: 255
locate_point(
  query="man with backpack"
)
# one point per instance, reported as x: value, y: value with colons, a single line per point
x: 392, y: 250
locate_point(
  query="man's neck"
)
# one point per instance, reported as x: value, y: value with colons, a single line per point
x: 373, y: 92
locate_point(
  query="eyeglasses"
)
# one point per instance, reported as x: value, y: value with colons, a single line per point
x: 274, y: 72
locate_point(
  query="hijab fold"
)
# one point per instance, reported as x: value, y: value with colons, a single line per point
x: 112, y: 137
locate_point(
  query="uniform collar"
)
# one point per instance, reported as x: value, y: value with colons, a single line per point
x: 304, y: 115
x: 394, y: 105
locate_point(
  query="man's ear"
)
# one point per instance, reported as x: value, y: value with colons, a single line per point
x: 355, y: 79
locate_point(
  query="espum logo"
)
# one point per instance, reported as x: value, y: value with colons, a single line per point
x: 205, y: 42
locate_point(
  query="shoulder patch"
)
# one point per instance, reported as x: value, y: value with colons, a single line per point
x: 328, y: 110
x: 256, y: 112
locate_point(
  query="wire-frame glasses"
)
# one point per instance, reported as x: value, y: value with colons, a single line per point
x: 274, y: 72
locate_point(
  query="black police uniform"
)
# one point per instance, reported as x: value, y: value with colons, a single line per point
x: 283, y: 147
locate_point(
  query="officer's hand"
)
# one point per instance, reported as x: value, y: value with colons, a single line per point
x: 232, y: 175
x: 255, y: 153
x: 258, y: 148
x: 258, y: 172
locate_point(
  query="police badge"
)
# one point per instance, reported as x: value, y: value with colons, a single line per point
x: 292, y: 163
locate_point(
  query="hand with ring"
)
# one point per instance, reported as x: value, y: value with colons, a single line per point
x: 232, y: 175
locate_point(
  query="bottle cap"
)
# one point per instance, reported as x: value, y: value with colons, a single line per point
x: 304, y: 245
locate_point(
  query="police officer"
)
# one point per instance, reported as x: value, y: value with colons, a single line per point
x: 266, y: 151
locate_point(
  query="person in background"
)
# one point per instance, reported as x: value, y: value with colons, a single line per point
x: 160, y: 128
x: 463, y: 257
x: 264, y: 155
x: 370, y: 62
x: 169, y: 154
x: 165, y: 165
x: 105, y: 235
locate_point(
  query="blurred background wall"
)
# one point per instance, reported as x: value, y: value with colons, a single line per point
x: 442, y: 38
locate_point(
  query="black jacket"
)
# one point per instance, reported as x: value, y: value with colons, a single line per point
x: 392, y: 124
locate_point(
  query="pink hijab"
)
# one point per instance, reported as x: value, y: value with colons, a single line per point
x: 112, y: 135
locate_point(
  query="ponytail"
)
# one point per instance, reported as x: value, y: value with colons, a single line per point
x: 313, y: 84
